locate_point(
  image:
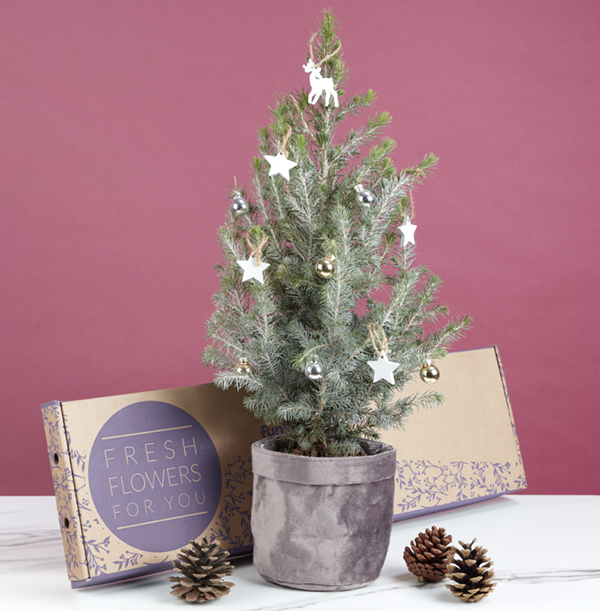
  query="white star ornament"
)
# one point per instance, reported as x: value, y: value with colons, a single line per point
x: 408, y: 232
x: 280, y: 164
x: 251, y: 270
x: 383, y: 369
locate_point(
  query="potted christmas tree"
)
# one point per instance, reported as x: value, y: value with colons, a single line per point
x: 320, y: 317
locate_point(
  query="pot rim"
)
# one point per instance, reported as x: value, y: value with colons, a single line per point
x: 329, y: 470
x: 365, y: 444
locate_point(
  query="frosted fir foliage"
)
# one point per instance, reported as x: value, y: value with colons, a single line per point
x: 294, y: 316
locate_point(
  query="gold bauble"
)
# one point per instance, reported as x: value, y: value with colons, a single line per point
x: 429, y: 373
x: 243, y: 367
x: 325, y: 267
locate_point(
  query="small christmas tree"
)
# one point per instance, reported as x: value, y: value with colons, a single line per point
x: 321, y: 308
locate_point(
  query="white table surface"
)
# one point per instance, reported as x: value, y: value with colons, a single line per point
x: 546, y: 552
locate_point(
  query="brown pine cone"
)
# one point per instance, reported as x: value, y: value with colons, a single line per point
x: 429, y: 557
x: 471, y: 573
x: 202, y: 570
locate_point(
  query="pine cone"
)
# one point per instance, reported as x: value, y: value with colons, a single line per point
x: 202, y: 570
x: 430, y: 554
x: 472, y: 573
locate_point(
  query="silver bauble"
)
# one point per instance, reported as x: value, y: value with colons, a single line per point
x: 313, y: 370
x: 365, y: 197
x: 239, y: 206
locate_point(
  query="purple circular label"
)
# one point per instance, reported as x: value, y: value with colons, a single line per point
x: 155, y: 476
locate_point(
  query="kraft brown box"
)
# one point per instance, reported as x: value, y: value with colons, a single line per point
x: 463, y: 451
x: 137, y: 476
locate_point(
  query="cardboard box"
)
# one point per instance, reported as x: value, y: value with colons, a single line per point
x: 463, y: 451
x: 137, y: 476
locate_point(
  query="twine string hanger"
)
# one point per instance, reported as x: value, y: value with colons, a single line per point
x: 411, y: 211
x: 379, y: 339
x: 285, y: 141
x: 236, y: 191
x: 256, y: 250
x: 332, y: 54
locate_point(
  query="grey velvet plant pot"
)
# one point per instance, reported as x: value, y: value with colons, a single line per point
x: 322, y: 523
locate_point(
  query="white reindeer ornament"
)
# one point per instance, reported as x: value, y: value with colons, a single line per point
x: 320, y: 85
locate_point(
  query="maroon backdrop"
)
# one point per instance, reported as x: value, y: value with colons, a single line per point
x: 123, y: 124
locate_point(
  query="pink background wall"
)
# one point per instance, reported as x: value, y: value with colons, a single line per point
x: 122, y: 125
